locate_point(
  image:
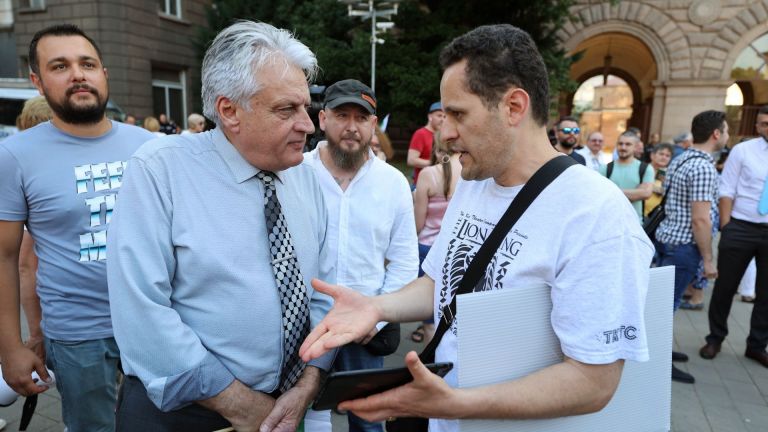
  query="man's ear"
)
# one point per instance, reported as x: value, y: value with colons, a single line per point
x: 37, y: 82
x: 321, y: 119
x: 227, y: 111
x: 515, y: 103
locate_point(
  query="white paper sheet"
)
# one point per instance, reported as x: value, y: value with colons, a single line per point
x: 521, y: 319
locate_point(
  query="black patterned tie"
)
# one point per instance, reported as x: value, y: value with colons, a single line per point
x: 290, y: 284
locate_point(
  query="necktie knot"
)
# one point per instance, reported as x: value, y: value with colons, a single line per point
x: 268, y: 179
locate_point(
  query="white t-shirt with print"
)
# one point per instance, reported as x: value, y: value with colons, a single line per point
x: 581, y: 237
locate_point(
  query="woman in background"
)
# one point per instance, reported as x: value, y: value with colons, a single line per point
x: 434, y: 189
x: 381, y: 145
x: 153, y: 125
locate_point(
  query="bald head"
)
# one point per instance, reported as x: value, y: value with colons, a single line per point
x: 595, y: 142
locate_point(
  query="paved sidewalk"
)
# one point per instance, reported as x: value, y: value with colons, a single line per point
x: 730, y: 394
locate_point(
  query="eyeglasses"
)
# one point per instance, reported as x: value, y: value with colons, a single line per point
x: 567, y: 130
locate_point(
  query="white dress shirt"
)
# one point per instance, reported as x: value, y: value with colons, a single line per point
x: 370, y: 222
x: 744, y: 177
x: 593, y: 161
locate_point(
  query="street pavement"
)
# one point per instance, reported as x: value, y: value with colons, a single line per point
x: 730, y: 393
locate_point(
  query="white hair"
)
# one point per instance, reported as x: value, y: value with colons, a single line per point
x: 195, y: 118
x: 236, y: 56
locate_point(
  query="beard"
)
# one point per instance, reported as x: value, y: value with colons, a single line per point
x: 347, y: 159
x: 81, y: 115
x: 567, y: 144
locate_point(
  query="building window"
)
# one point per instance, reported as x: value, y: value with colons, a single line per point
x: 32, y: 4
x: 6, y: 14
x: 170, y: 7
x: 752, y: 63
x: 169, y: 95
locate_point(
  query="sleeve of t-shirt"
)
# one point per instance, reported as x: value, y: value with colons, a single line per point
x: 13, y: 204
x: 649, y: 175
x: 598, y: 308
x: 418, y: 141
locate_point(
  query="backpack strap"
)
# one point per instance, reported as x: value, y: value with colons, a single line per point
x: 643, y: 168
x: 609, y: 169
x: 641, y: 171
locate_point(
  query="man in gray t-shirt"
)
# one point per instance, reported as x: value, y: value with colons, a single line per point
x: 61, y: 179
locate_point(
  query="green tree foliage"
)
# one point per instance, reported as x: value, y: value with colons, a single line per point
x: 407, y: 69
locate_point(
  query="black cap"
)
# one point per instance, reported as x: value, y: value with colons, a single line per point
x: 350, y: 91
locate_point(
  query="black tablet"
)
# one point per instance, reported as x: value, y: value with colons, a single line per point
x: 341, y: 386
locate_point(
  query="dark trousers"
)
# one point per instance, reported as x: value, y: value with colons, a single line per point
x: 740, y: 241
x: 136, y: 413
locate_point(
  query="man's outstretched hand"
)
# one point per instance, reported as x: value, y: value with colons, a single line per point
x: 427, y: 396
x: 350, y: 320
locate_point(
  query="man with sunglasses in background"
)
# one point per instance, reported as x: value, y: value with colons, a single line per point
x: 567, y: 132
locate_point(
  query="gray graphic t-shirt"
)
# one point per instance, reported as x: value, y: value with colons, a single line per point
x: 65, y: 188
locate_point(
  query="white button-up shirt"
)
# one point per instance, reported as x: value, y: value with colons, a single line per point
x: 370, y: 223
x: 744, y: 177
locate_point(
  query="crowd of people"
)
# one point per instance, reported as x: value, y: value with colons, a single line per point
x: 698, y: 184
x: 241, y: 269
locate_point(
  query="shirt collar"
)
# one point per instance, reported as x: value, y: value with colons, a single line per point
x: 695, y: 150
x: 241, y: 169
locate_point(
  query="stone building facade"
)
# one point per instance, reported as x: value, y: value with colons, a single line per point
x: 148, y: 47
x: 679, y: 56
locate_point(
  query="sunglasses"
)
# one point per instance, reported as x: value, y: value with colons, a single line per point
x: 567, y: 130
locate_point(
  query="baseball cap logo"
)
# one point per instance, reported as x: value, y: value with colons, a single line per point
x: 368, y: 99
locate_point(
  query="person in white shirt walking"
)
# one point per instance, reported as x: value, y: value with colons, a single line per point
x: 370, y: 214
x: 743, y: 236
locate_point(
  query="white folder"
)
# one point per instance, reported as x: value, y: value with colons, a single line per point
x: 507, y: 334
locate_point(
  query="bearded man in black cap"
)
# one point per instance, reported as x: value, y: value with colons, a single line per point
x: 370, y: 218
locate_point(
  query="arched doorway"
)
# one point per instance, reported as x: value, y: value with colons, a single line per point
x: 750, y: 75
x: 624, y: 56
x: 604, y: 104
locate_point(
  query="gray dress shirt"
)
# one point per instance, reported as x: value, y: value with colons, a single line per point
x: 194, y: 302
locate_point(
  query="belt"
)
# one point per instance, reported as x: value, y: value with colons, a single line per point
x: 754, y: 224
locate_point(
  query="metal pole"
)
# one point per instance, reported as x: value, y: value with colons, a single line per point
x: 373, y: 45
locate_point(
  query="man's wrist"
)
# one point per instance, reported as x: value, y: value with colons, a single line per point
x: 310, y: 380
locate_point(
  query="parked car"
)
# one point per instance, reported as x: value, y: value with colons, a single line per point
x: 12, y: 101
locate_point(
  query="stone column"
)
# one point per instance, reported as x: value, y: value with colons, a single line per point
x: 677, y: 102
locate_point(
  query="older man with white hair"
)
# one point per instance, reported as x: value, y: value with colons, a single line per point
x: 195, y: 124
x: 214, y: 244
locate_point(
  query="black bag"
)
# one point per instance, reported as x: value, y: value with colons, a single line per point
x: 654, y: 218
x: 386, y: 340
x: 476, y: 269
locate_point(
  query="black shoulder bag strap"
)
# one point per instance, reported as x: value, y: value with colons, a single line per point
x: 538, y: 182
x: 669, y: 186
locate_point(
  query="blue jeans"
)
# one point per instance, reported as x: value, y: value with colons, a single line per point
x: 86, y: 378
x: 685, y: 258
x: 356, y: 357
